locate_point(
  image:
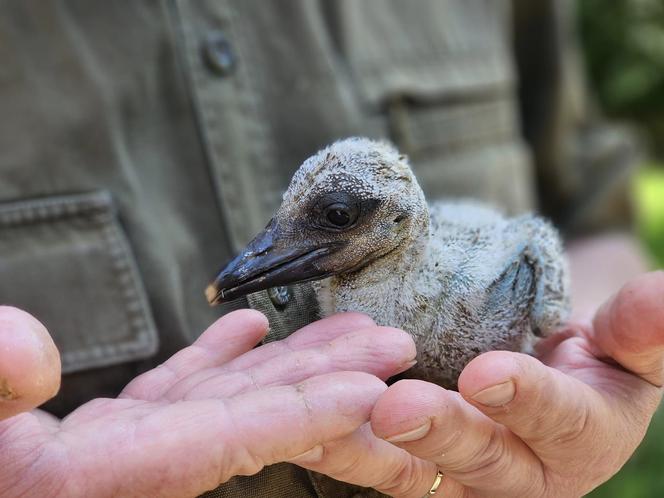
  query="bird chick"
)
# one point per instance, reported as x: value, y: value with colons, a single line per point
x: 460, y: 277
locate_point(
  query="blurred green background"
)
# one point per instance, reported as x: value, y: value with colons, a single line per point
x: 643, y: 476
x: 624, y: 47
x: 623, y: 43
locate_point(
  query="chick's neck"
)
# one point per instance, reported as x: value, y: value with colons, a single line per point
x: 380, y: 287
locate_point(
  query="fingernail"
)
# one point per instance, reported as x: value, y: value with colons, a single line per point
x: 498, y: 395
x: 313, y: 455
x: 413, y: 435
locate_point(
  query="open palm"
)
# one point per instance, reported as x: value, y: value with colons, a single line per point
x: 214, y: 410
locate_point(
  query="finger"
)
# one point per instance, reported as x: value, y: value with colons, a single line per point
x: 563, y: 420
x: 193, y: 446
x: 380, y: 351
x: 29, y: 363
x: 630, y: 327
x: 364, y: 460
x: 437, y: 425
x: 228, y: 337
x: 312, y: 335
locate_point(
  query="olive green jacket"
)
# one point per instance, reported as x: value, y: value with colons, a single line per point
x: 143, y: 142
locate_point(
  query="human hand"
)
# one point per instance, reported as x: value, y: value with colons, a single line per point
x: 214, y: 410
x: 520, y: 427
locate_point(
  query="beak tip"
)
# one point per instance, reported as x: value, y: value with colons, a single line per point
x: 211, y: 294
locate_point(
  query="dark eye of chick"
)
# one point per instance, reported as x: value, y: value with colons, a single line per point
x: 339, y: 215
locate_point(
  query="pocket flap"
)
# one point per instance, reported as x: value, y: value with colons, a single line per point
x: 440, y: 49
x: 67, y: 261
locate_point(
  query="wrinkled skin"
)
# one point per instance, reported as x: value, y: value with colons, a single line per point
x: 214, y: 410
x: 565, y: 424
x: 217, y: 409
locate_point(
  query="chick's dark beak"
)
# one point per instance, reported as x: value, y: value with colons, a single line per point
x: 268, y: 261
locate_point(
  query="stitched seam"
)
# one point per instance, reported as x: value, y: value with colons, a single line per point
x: 96, y: 209
x: 445, y: 127
x: 25, y: 212
x: 415, y: 59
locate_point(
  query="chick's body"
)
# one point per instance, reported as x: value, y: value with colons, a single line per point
x: 481, y: 282
x: 459, y: 276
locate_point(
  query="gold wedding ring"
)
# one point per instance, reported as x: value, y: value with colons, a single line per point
x: 436, y: 484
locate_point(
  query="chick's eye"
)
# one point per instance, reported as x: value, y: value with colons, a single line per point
x: 339, y: 215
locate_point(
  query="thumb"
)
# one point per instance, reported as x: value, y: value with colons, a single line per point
x: 29, y: 363
x: 630, y: 327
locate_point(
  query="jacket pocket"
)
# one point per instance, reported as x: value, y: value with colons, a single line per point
x: 439, y: 81
x: 67, y: 261
x: 470, y: 148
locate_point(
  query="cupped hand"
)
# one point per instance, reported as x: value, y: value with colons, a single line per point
x: 556, y: 426
x: 214, y: 410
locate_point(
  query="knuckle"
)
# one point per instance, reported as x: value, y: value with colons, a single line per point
x: 351, y: 465
x: 453, y: 431
x: 575, y: 426
x: 407, y: 479
x: 447, y: 443
x: 490, y: 459
x: 448, y: 431
x: 493, y: 461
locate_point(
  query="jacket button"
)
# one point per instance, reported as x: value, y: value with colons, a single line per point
x: 218, y: 54
x: 280, y: 296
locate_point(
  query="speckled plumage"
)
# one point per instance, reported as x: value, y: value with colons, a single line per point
x: 460, y: 277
